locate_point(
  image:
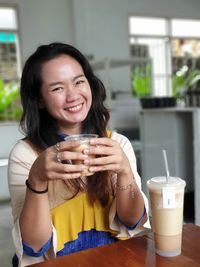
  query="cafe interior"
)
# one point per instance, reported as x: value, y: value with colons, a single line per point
x: 146, y: 52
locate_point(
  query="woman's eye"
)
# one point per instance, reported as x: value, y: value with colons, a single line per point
x: 80, y: 81
x: 57, y: 89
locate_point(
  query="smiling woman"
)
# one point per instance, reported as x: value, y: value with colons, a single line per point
x: 57, y: 210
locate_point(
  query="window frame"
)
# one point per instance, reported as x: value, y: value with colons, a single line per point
x: 17, y: 32
x: 169, y: 37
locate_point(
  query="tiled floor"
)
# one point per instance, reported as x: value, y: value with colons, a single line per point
x: 6, y: 245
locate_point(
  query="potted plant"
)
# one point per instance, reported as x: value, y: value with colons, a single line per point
x: 10, y: 107
x: 142, y: 88
x: 142, y: 84
x: 184, y: 86
x: 142, y: 81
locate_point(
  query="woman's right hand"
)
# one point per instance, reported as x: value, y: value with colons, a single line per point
x: 48, y: 166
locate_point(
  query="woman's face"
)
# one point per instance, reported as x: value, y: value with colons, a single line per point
x: 66, y: 93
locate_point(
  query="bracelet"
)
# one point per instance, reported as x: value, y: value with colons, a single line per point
x: 35, y: 191
x: 125, y: 187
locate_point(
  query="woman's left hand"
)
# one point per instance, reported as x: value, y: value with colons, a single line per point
x: 109, y: 156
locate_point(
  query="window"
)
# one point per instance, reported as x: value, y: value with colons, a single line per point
x: 9, y: 45
x: 10, y: 107
x: 170, y: 48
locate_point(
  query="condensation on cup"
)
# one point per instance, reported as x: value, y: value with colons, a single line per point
x: 84, y: 143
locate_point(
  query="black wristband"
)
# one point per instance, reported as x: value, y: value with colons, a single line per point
x: 35, y: 191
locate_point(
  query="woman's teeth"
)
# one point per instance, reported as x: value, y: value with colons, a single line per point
x: 75, y: 108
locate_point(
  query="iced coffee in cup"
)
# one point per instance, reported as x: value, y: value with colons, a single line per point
x: 84, y: 143
x: 166, y: 199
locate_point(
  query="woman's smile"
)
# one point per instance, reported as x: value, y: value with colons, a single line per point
x: 76, y: 108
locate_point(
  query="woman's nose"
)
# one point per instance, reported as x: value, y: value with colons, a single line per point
x: 71, y: 95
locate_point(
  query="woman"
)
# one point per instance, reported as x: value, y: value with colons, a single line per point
x: 55, y: 210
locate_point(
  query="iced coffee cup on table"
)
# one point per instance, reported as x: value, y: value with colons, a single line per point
x: 166, y: 200
x: 84, y: 143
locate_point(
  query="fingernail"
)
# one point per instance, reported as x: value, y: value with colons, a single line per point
x: 91, y: 169
x: 86, y: 151
x: 86, y: 161
x: 83, y: 167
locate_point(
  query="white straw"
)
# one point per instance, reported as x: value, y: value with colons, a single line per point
x: 166, y: 165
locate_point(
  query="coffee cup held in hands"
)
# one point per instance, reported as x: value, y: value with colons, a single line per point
x: 84, y: 143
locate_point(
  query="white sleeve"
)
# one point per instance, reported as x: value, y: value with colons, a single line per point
x: 20, y: 161
x: 115, y: 224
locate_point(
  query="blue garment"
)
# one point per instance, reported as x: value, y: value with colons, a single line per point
x: 134, y: 226
x: 30, y: 251
x: 62, y: 136
x: 86, y: 240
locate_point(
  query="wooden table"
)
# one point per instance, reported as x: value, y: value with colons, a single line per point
x: 135, y: 252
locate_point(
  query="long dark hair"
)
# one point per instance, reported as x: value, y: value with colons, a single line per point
x: 41, y: 128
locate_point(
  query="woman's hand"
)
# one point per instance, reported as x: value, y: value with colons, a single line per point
x: 109, y: 156
x: 56, y: 163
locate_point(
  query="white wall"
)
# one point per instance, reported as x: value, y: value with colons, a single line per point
x: 43, y: 21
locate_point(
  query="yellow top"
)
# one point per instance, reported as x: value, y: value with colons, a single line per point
x: 77, y: 215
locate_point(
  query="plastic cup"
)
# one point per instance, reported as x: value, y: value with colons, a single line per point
x: 166, y: 199
x: 84, y: 143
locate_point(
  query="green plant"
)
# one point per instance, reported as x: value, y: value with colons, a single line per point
x: 10, y: 107
x: 182, y: 80
x: 142, y: 80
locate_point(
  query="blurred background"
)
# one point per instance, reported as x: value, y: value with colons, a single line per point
x: 147, y: 53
